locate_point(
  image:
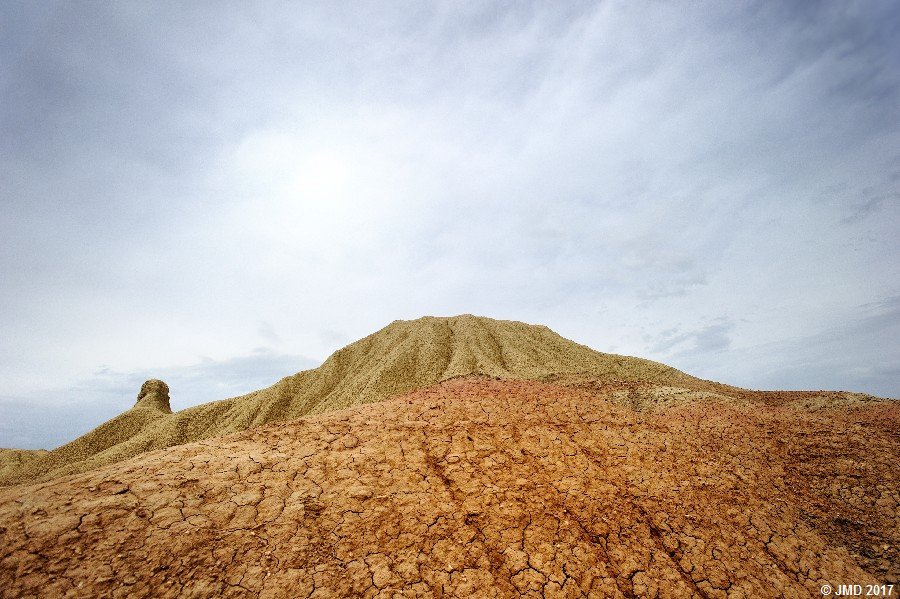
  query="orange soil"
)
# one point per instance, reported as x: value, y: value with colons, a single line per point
x: 480, y: 487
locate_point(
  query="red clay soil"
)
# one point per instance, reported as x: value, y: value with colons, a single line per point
x: 480, y: 488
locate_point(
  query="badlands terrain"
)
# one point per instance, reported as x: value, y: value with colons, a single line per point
x: 464, y: 457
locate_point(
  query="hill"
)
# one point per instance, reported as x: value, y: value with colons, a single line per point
x: 483, y: 487
x: 401, y: 357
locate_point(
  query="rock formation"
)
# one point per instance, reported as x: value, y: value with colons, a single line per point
x: 154, y: 394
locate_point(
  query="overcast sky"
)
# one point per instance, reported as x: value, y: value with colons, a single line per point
x: 222, y: 194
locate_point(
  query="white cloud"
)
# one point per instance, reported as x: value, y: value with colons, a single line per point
x: 613, y: 171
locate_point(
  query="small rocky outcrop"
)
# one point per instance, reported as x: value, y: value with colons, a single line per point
x: 154, y: 394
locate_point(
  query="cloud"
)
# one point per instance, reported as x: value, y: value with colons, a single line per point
x: 267, y: 332
x: 859, y: 354
x: 709, y: 339
x: 870, y: 206
x: 856, y: 354
x: 183, y: 182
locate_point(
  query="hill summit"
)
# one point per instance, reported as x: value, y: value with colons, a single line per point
x: 401, y: 357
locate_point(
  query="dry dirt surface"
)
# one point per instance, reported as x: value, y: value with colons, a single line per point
x: 478, y: 487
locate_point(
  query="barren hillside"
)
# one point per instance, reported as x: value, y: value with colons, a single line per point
x: 403, y: 356
x: 480, y: 487
x: 464, y: 457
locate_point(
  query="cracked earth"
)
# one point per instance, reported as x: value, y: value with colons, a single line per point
x: 481, y: 488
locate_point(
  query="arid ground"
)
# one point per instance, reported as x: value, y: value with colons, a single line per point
x: 575, y: 484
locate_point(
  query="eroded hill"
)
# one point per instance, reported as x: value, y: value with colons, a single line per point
x: 479, y: 487
x: 403, y: 356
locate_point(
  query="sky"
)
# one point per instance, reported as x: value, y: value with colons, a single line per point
x: 220, y: 194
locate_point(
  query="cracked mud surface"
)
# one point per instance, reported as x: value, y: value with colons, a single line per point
x: 479, y: 487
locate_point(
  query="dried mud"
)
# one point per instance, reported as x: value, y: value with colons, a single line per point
x: 478, y: 487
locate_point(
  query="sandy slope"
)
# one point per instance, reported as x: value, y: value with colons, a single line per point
x: 403, y: 356
x: 479, y: 487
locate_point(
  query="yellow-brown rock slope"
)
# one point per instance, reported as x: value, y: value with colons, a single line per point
x: 404, y: 356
